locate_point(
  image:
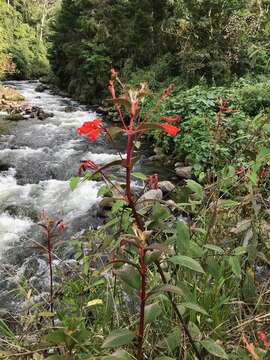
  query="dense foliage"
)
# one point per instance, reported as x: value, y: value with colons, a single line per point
x: 211, y: 39
x: 23, y: 31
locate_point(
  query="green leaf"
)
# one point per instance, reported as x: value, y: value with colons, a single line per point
x: 103, y: 190
x: 249, y: 288
x: 140, y: 176
x: 195, y: 332
x: 235, y: 265
x: 182, y: 237
x: 267, y: 26
x: 173, y: 289
x: 74, y: 182
x: 187, y: 262
x: 240, y: 250
x: 56, y: 337
x: 154, y: 256
x: 118, y: 355
x: 227, y: 204
x: 214, y: 248
x: 172, y: 341
x: 118, y: 338
x: 130, y: 276
x: 152, y: 311
x: 213, y: 348
x: 195, y: 307
x: 196, y: 188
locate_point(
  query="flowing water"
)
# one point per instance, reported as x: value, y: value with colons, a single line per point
x: 37, y: 159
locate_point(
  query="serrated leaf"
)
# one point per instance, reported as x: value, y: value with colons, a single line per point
x: 214, y: 248
x: 195, y: 307
x: 235, y: 265
x: 118, y: 355
x: 74, y: 182
x: 139, y: 175
x: 94, y: 302
x: 196, y: 188
x: 118, y: 338
x: 187, y: 262
x: 213, y: 348
x: 152, y: 311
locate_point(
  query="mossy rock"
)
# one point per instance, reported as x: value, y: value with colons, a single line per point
x: 14, y: 117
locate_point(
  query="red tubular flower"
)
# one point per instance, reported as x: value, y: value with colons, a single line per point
x: 112, y: 89
x: 61, y: 227
x: 263, y: 338
x: 263, y: 172
x: 170, y: 129
x: 87, y: 164
x: 175, y: 118
x: 235, y: 111
x: 250, y: 348
x: 92, y: 129
x: 240, y: 171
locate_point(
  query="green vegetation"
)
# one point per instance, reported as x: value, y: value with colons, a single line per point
x: 24, y: 38
x: 184, y: 275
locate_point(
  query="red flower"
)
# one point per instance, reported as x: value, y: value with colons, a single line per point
x: 61, y: 227
x: 235, y: 111
x: 250, y: 348
x: 91, y: 128
x: 263, y: 338
x: 175, y: 118
x: 263, y: 172
x: 87, y: 164
x: 170, y: 129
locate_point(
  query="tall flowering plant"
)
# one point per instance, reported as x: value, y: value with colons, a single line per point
x: 129, y: 105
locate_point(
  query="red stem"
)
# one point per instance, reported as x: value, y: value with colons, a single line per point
x: 143, y: 300
x: 49, y: 238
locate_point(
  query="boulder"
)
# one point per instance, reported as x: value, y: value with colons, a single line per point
x: 69, y: 109
x: 184, y: 172
x: 166, y: 186
x: 148, y: 198
x: 41, y: 88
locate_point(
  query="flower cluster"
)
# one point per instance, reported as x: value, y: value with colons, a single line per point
x: 92, y: 129
x: 131, y: 100
x: 222, y: 106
